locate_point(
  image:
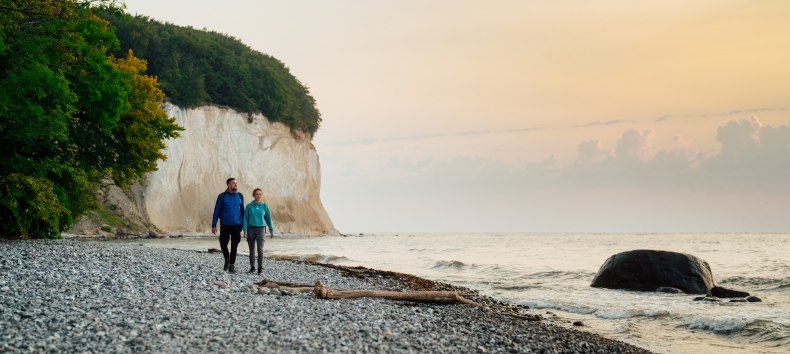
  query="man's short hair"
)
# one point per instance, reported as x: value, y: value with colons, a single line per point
x: 229, y: 179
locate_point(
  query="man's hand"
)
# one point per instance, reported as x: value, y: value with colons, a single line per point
x: 244, y: 234
x: 271, y: 235
x: 214, y: 230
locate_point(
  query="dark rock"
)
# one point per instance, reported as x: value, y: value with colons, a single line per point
x: 699, y: 298
x: 646, y: 270
x: 213, y: 250
x: 718, y: 291
x: 753, y: 299
x: 711, y: 299
x: 578, y: 323
x: 738, y: 300
x: 668, y: 290
x: 152, y: 234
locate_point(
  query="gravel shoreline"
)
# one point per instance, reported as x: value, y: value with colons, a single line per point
x: 93, y: 296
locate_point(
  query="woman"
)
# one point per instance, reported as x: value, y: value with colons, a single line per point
x: 257, y: 217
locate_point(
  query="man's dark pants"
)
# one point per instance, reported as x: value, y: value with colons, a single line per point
x: 230, y: 233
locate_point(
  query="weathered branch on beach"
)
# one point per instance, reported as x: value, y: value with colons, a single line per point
x: 292, y: 287
x: 277, y: 284
x: 438, y: 297
x: 322, y: 292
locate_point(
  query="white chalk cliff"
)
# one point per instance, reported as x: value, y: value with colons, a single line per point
x: 219, y: 143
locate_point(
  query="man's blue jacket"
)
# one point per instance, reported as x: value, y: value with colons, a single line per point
x: 229, y: 209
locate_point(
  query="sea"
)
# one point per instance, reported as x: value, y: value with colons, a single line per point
x: 551, y: 273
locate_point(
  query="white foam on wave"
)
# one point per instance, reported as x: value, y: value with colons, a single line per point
x: 451, y: 264
x: 619, y: 313
x: 542, y: 304
x: 721, y: 324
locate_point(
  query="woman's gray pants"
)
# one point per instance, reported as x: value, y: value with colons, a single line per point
x: 255, y: 235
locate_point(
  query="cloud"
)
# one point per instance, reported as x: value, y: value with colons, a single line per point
x: 633, y: 185
x: 752, y: 153
x: 740, y: 112
x: 592, y: 124
x: 739, y: 139
x: 663, y: 118
x: 753, y: 157
x: 635, y: 147
x: 603, y: 123
x: 592, y: 152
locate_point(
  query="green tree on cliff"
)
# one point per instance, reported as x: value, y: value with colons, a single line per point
x: 71, y: 115
x: 198, y: 67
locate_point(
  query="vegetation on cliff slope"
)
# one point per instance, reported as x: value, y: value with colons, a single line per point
x: 71, y: 114
x: 197, y: 67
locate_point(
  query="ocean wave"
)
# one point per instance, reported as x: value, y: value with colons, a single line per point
x: 785, y: 286
x: 763, y: 331
x: 573, y: 308
x: 318, y: 258
x: 761, y: 283
x: 558, y: 274
x: 721, y: 325
x: 620, y: 313
x: 452, y: 264
x: 629, y: 327
x: 514, y: 287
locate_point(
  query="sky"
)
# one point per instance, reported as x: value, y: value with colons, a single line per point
x: 535, y: 116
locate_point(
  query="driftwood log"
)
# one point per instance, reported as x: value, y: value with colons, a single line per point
x: 292, y: 287
x: 436, y: 297
x: 322, y: 292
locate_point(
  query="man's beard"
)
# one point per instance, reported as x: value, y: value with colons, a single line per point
x: 234, y: 188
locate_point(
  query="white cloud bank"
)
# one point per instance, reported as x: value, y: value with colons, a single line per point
x: 632, y: 186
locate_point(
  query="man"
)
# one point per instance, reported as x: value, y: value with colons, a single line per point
x: 229, y: 209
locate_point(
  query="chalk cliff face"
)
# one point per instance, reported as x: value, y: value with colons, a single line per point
x: 219, y: 143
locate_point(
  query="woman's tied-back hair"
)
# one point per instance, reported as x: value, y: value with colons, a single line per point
x: 255, y: 190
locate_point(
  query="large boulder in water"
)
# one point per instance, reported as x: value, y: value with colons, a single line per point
x: 647, y: 270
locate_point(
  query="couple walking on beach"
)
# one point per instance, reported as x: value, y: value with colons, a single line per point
x: 235, y: 219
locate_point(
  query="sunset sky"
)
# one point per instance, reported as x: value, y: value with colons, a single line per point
x: 567, y: 115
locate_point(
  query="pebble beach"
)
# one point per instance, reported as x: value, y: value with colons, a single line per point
x: 100, y: 296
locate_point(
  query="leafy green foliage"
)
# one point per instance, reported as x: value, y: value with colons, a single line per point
x: 198, y: 67
x: 139, y: 137
x: 26, y: 203
x: 70, y: 115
